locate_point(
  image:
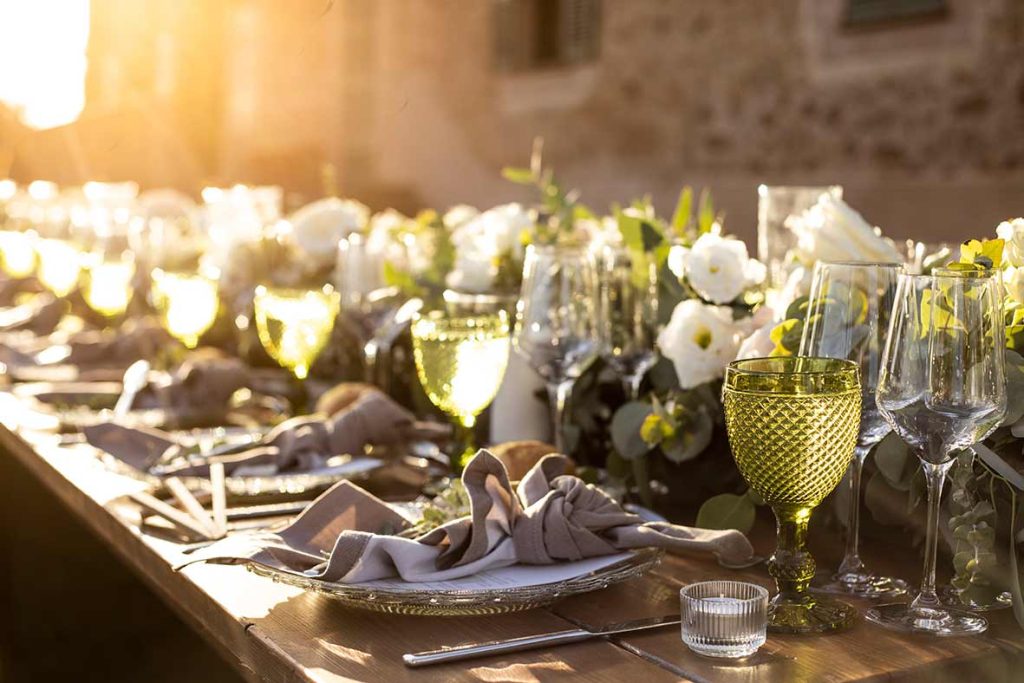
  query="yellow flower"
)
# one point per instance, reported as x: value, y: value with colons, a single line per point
x: 985, y: 253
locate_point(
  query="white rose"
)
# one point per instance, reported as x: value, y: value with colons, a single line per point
x: 832, y: 231
x: 318, y: 227
x: 719, y: 268
x: 495, y: 231
x: 598, y: 232
x: 458, y: 215
x: 759, y: 344
x: 1013, y: 283
x: 1012, y: 232
x: 472, y: 272
x: 700, y: 340
x: 482, y: 240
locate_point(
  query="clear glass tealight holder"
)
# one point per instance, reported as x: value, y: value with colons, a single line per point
x: 724, y: 618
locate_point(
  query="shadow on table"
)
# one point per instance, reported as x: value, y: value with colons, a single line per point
x: 71, y: 611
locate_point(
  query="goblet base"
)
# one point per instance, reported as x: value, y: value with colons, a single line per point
x: 809, y: 614
x: 951, y: 597
x: 864, y: 585
x: 938, y: 622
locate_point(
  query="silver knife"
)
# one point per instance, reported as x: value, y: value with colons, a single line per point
x: 453, y: 654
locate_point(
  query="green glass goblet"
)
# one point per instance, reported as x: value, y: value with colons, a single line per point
x: 793, y: 425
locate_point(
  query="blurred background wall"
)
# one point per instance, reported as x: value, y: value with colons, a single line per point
x: 915, y: 106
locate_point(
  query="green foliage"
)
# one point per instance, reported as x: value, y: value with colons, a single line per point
x: 728, y: 511
x: 558, y: 207
x: 450, y: 504
x: 627, y: 426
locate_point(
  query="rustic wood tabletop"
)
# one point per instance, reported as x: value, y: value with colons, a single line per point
x: 272, y: 632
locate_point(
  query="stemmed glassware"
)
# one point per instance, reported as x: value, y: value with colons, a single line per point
x: 847, y: 317
x: 187, y: 303
x: 379, y: 312
x: 558, y: 327
x: 629, y: 314
x: 295, y: 324
x: 461, y: 361
x: 792, y: 425
x: 942, y: 387
x: 108, y: 282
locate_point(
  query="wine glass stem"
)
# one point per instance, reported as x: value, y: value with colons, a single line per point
x: 935, y: 475
x: 559, y: 394
x: 791, y: 566
x: 632, y: 385
x: 370, y: 349
x: 465, y: 442
x: 852, y: 563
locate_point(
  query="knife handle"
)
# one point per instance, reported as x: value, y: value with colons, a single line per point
x: 452, y: 654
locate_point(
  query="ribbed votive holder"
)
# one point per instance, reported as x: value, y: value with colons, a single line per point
x: 724, y: 618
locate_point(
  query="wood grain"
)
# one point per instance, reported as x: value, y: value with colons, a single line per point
x: 272, y: 632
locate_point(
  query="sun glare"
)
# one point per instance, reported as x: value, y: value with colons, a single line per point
x: 42, y: 44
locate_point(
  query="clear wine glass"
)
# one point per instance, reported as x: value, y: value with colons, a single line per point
x: 847, y: 317
x: 942, y: 387
x: 558, y: 327
x: 629, y: 313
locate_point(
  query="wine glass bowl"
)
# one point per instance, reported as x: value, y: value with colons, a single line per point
x: 461, y: 362
x: 558, y: 329
x: 58, y: 265
x: 187, y: 303
x: 295, y: 324
x: 629, y: 313
x: 108, y: 284
x: 942, y: 387
x: 792, y: 425
x: 847, y: 317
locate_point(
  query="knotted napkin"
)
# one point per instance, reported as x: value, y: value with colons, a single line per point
x: 551, y: 517
x: 301, y: 443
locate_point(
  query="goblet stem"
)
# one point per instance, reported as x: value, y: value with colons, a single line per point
x: 559, y: 394
x: 852, y: 564
x: 791, y: 566
x: 465, y: 442
x: 370, y: 352
x: 935, y: 475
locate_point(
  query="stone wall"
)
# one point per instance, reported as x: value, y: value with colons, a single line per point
x: 923, y: 123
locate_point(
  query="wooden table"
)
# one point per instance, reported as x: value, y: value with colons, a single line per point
x: 271, y: 632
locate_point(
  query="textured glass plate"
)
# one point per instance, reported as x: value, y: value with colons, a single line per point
x: 451, y: 603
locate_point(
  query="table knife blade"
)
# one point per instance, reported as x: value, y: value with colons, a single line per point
x: 453, y: 654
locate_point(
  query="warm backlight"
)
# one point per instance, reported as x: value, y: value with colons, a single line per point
x: 42, y: 45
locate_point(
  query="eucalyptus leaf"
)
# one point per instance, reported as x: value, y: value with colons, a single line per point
x: 520, y: 176
x: 727, y: 511
x: 691, y: 440
x: 895, y: 462
x: 684, y: 210
x: 625, y: 429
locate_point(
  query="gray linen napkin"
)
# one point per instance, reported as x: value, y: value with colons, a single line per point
x: 135, y: 339
x: 298, y: 444
x: 201, y: 384
x: 552, y: 517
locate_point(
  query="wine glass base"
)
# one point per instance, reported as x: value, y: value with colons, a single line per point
x: 810, y: 615
x: 939, y: 622
x: 864, y: 586
x: 950, y: 597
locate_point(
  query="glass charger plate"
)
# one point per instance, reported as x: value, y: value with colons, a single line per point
x: 256, y: 485
x: 408, y: 599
